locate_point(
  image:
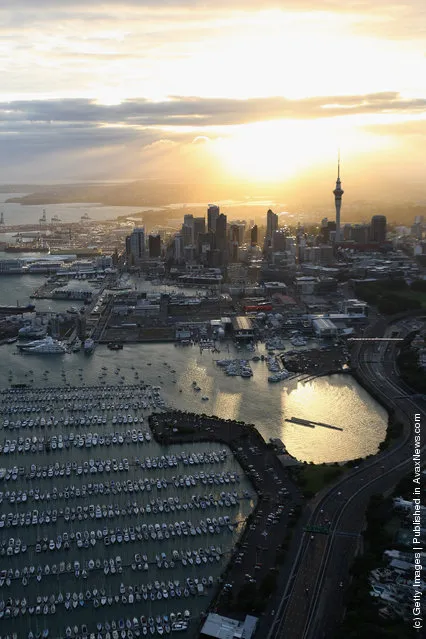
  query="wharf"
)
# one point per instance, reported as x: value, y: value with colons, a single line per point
x: 138, y: 334
x: 44, y: 292
x: 310, y: 423
x: 257, y: 548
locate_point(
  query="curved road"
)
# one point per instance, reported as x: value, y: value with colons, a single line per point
x: 312, y: 605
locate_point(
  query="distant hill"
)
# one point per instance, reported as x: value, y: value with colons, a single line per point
x: 301, y: 202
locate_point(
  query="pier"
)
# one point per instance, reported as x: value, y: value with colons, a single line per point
x: 310, y: 423
x: 268, y: 477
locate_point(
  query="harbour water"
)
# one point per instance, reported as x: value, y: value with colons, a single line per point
x: 338, y: 400
x: 15, y: 213
x: 104, y: 500
x: 99, y: 524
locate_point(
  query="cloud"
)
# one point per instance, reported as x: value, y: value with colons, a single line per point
x: 161, y: 5
x: 165, y: 133
x: 206, y: 56
x: 178, y: 111
x: 412, y: 128
x: 232, y: 48
x: 201, y: 139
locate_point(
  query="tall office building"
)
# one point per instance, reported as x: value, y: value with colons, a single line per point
x: 378, y: 229
x: 279, y: 240
x: 234, y: 239
x: 213, y: 213
x: 221, y: 227
x: 188, y: 229
x: 178, y: 247
x: 253, y: 235
x: 187, y: 235
x: 418, y: 227
x: 237, y: 232
x: 271, y: 223
x: 206, y: 242
x: 154, y: 245
x: 135, y: 246
x: 199, y: 228
x: 360, y: 233
x: 347, y: 232
x: 338, y: 192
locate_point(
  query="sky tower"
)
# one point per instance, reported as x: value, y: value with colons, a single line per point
x: 338, y: 192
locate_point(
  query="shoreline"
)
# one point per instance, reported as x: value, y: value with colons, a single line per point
x: 269, y: 478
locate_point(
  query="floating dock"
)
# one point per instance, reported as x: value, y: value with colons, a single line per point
x: 310, y: 423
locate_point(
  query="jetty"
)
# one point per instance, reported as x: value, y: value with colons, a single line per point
x: 310, y: 423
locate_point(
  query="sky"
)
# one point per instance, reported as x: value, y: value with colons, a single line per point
x: 218, y: 90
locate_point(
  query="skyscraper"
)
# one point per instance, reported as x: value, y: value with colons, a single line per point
x: 154, y: 245
x: 221, y: 233
x: 234, y: 242
x: 360, y: 233
x: 178, y: 247
x: 279, y: 240
x: 188, y: 229
x: 253, y: 235
x: 135, y: 246
x: 378, y: 229
x: 187, y: 234
x: 338, y: 192
x: 199, y: 228
x: 271, y: 223
x: 206, y: 243
x: 213, y: 213
x: 237, y: 231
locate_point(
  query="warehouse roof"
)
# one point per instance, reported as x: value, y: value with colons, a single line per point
x: 242, y: 323
x: 226, y: 628
x: 324, y: 324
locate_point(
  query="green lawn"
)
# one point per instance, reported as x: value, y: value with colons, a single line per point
x: 414, y: 295
x: 393, y: 526
x: 314, y: 477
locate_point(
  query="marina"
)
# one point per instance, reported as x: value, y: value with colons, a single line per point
x: 103, y: 532
x: 333, y: 399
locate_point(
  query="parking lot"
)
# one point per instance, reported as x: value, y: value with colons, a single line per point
x: 255, y: 555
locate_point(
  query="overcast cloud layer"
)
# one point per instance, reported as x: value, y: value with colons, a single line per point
x: 133, y: 82
x: 200, y: 112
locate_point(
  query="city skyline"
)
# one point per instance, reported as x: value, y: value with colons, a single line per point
x: 165, y: 90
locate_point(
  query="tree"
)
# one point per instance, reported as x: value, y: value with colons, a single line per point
x: 419, y: 285
x: 268, y: 585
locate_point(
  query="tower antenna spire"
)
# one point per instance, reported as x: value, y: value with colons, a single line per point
x: 338, y: 192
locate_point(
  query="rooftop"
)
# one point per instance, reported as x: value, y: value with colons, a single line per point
x: 324, y: 324
x: 227, y: 628
x: 242, y: 323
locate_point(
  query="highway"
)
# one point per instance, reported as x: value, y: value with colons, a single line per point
x: 312, y: 604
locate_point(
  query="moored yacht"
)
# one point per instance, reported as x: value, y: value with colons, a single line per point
x: 46, y: 346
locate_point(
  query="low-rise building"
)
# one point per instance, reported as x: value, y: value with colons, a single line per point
x: 275, y: 287
x: 324, y: 328
x: 242, y: 327
x: 221, y: 627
